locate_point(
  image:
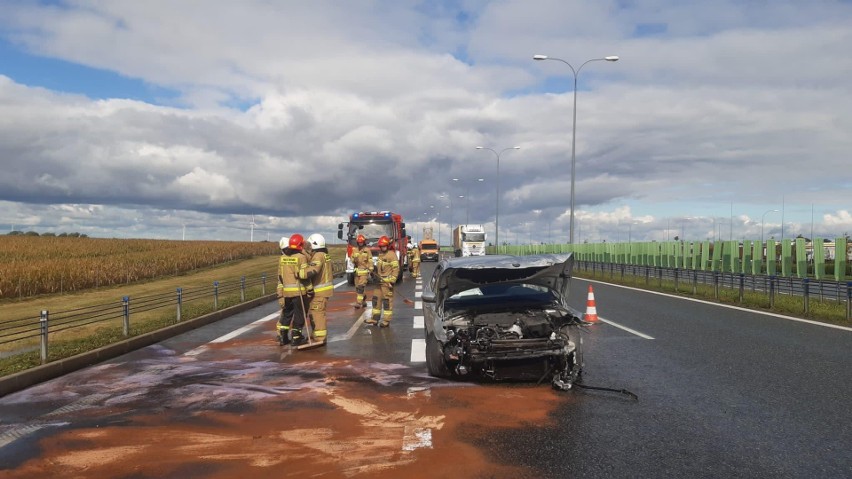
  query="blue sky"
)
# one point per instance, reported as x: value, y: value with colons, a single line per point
x: 135, y: 118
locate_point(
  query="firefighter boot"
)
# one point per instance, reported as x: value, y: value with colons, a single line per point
x: 283, y: 334
x: 298, y: 339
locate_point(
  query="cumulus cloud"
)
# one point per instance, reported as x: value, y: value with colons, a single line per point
x: 307, y: 112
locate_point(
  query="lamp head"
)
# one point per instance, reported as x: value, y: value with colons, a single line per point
x: 611, y: 58
x: 539, y: 57
x: 480, y: 147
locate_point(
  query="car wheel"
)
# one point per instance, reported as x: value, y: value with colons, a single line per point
x: 350, y: 278
x: 435, y: 363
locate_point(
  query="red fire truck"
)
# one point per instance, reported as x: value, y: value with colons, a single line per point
x: 373, y: 225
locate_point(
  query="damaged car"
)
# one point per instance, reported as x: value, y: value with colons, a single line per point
x: 503, y: 318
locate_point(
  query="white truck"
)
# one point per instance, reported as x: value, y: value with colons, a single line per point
x: 469, y: 240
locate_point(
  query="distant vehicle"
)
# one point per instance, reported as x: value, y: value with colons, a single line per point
x: 429, y: 250
x: 469, y: 240
x: 503, y: 317
x: 373, y: 225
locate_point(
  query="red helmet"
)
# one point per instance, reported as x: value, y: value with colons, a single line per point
x: 296, y: 242
x: 360, y: 239
x: 384, y: 241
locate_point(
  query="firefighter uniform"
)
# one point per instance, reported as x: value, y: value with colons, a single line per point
x: 387, y: 267
x: 319, y: 273
x: 415, y: 261
x: 362, y: 258
x: 292, y: 291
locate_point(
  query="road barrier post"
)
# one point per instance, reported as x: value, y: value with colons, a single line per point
x: 263, y: 284
x: 716, y: 284
x: 742, y: 286
x: 676, y: 273
x: 179, y: 303
x: 772, y: 291
x: 215, y: 295
x: 125, y: 303
x: 694, y: 282
x: 43, y: 328
x: 242, y: 289
x: 806, y: 293
x: 848, y: 300
x: 647, y: 275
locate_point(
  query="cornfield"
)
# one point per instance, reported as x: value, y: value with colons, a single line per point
x: 31, y: 266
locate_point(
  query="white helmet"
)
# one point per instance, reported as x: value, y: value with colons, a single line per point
x: 316, y: 241
x: 284, y: 242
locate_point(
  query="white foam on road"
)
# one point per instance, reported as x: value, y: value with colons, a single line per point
x: 418, y: 350
x: 418, y: 322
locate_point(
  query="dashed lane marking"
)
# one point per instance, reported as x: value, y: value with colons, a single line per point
x: 416, y: 438
x: 418, y: 350
x: 418, y: 294
x: 418, y: 305
x: 418, y: 322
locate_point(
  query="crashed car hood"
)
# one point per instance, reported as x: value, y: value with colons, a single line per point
x: 552, y: 271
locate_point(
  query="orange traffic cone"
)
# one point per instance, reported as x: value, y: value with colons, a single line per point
x: 591, y: 311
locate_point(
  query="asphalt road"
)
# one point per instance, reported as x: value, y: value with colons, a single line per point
x: 722, y: 392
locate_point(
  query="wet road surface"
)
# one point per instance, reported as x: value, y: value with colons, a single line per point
x: 721, y: 392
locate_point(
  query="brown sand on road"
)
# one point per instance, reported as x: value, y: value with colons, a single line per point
x: 343, y: 430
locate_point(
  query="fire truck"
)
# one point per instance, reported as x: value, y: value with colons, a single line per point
x: 373, y: 225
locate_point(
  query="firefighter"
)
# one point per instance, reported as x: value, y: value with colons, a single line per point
x: 292, y: 291
x: 319, y: 273
x: 387, y: 267
x: 415, y: 260
x: 362, y: 258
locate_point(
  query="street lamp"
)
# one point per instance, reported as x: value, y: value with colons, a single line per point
x: 761, y: 225
x: 467, y: 195
x: 611, y: 58
x: 497, y: 214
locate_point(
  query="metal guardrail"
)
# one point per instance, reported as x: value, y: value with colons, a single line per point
x: 806, y: 288
x: 18, y: 336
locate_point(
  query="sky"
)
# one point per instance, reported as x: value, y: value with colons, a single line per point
x: 196, y: 119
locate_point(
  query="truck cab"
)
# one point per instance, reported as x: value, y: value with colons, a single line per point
x: 373, y: 225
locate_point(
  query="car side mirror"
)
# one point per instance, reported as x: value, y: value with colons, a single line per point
x: 428, y: 296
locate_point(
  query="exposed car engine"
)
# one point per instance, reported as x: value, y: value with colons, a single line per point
x: 525, y: 344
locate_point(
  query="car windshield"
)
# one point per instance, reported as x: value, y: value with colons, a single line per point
x: 509, y: 294
x: 428, y: 246
x: 473, y: 236
x: 371, y: 231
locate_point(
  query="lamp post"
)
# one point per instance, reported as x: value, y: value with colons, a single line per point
x: 611, y: 58
x: 497, y: 214
x: 467, y: 195
x: 761, y: 225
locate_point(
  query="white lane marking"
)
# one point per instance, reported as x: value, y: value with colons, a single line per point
x: 418, y: 294
x: 416, y: 438
x: 418, y: 350
x: 231, y: 335
x: 418, y: 287
x: 413, y: 391
x: 418, y: 305
x: 354, y: 327
x: 776, y: 315
x: 418, y: 322
x: 244, y: 329
x: 633, y: 331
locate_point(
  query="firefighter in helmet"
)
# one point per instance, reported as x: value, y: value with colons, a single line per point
x: 362, y: 258
x: 292, y: 291
x: 319, y: 273
x: 414, y: 260
x: 387, y: 267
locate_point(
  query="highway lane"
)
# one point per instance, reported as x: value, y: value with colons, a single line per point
x: 722, y: 392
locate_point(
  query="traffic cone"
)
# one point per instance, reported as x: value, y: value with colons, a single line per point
x: 591, y: 311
